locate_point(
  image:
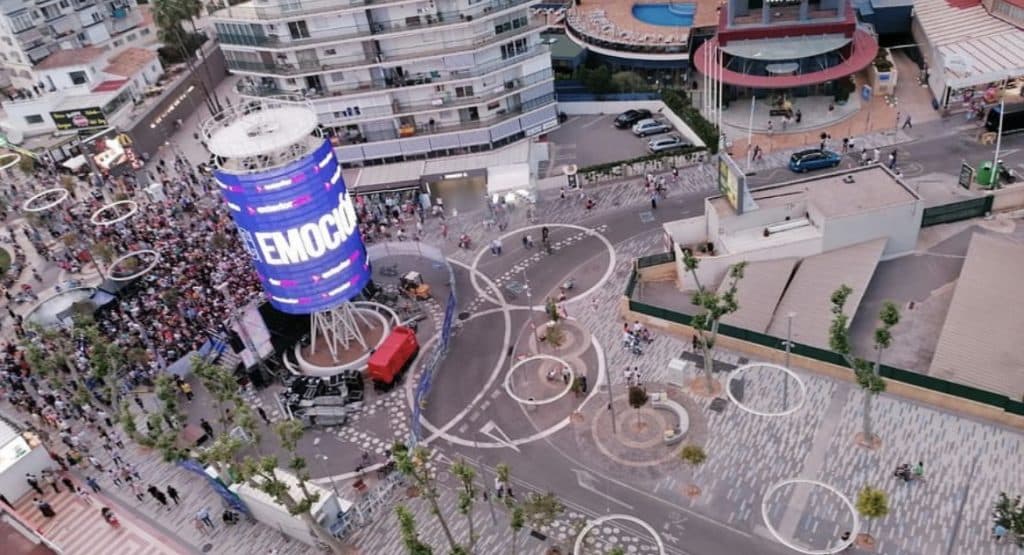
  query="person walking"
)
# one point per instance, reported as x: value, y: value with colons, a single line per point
x: 115, y: 476
x: 68, y: 483
x: 892, y: 159
x: 263, y: 415
x: 158, y: 495
x: 998, y: 532
x: 139, y: 402
x: 173, y: 494
x: 34, y: 482
x: 138, y: 491
x: 204, y: 516
x: 654, y: 202
x: 44, y: 508
x: 95, y: 463
x: 207, y: 428
x: 93, y: 484
x: 187, y: 390
x: 907, y: 123
x: 52, y: 481
x: 919, y: 471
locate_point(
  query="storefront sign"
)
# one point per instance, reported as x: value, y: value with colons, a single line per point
x: 84, y: 118
x: 966, y: 176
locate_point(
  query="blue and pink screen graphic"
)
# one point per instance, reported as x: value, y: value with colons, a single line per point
x: 299, y: 225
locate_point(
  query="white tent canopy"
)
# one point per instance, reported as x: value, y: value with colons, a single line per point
x: 507, y: 178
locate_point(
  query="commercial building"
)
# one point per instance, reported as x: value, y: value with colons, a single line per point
x: 801, y: 240
x: 800, y: 47
x: 32, y: 30
x: 399, y: 80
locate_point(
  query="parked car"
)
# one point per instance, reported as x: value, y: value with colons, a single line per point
x: 648, y: 126
x: 815, y: 159
x: 629, y: 117
x: 670, y: 142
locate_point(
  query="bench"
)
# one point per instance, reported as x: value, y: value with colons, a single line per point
x: 661, y: 402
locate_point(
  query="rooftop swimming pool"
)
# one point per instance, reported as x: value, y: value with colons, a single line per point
x: 665, y: 15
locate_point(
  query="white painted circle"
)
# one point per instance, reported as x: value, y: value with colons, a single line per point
x: 474, y: 270
x: 133, y: 207
x: 140, y: 273
x: 578, y: 546
x: 533, y: 402
x: 827, y: 551
x: 62, y: 195
x: 15, y: 158
x: 739, y: 370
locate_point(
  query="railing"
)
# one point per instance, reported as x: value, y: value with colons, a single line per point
x: 410, y: 80
x: 290, y: 68
x: 578, y: 30
x: 1013, y: 406
x: 252, y: 11
x: 425, y: 21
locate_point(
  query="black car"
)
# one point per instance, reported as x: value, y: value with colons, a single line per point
x: 626, y: 119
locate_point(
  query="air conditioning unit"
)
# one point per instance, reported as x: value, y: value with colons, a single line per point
x: 786, y: 226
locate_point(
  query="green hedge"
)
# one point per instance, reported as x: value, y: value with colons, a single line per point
x: 602, y: 169
x: 679, y: 103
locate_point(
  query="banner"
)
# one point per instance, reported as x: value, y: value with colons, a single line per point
x: 84, y: 118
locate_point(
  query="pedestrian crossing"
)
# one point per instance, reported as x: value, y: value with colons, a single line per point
x: 78, y: 527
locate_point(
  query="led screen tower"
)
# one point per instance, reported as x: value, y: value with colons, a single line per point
x: 282, y: 184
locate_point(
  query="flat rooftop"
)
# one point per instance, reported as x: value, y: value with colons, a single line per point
x: 980, y: 343
x: 873, y: 187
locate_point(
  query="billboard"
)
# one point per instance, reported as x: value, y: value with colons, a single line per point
x: 84, y: 118
x: 299, y: 225
x: 732, y: 184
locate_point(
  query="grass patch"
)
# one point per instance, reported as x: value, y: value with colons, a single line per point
x: 5, y: 261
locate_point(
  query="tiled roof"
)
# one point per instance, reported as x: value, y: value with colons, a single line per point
x: 129, y: 62
x: 65, y: 58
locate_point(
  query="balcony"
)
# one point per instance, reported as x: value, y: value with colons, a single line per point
x: 416, y: 23
x: 425, y: 129
x: 412, y: 80
x: 251, y: 11
x: 291, y: 69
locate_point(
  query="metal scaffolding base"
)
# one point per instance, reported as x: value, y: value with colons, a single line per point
x: 339, y: 327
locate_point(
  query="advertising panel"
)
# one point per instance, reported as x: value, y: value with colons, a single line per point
x: 729, y: 175
x: 299, y: 225
x: 83, y: 118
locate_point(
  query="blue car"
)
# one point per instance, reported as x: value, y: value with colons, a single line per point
x: 816, y: 159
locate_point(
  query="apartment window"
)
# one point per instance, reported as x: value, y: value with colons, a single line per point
x: 64, y: 4
x: 33, y: 119
x: 337, y: 77
x: 118, y: 43
x: 78, y: 77
x: 289, y: 81
x: 97, y: 17
x: 513, y: 49
x: 330, y: 52
x: 298, y: 29
x: 130, y: 37
x: 463, y: 92
x: 145, y: 31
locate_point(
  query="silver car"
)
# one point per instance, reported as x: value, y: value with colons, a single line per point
x: 647, y: 127
x: 670, y: 142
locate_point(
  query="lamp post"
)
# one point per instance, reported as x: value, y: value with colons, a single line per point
x: 611, y: 400
x: 320, y: 456
x: 789, y: 346
x: 994, y: 182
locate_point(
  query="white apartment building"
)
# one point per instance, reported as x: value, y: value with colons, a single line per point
x: 399, y: 80
x: 32, y: 30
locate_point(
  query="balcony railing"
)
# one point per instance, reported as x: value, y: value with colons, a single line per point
x: 410, y: 80
x: 426, y: 21
x: 396, y: 55
x: 424, y: 129
x: 251, y: 11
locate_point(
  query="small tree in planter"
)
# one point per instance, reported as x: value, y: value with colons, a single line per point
x: 693, y: 455
x: 871, y: 504
x: 410, y: 537
x: 638, y: 398
x: 713, y: 307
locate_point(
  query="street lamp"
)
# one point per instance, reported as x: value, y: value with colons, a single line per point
x: 789, y: 345
x: 611, y: 400
x: 323, y: 464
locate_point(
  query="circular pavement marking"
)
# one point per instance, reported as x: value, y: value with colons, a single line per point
x: 62, y: 195
x: 578, y: 547
x: 133, y: 207
x: 140, y: 273
x: 13, y: 156
x: 474, y: 270
x: 531, y: 401
x: 828, y: 550
x: 745, y: 367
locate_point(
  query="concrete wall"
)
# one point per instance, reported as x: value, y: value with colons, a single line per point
x: 690, y: 231
x: 12, y: 480
x: 713, y: 269
x: 617, y: 107
x: 901, y: 224
x: 899, y: 389
x: 1009, y: 198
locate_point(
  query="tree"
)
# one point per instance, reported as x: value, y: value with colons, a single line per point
x: 169, y: 15
x: 467, y: 496
x: 413, y: 464
x: 221, y: 384
x: 713, y: 307
x: 871, y: 504
x: 1009, y: 513
x: 867, y: 375
x: 693, y: 454
x: 637, y: 398
x: 515, y: 524
x: 411, y: 538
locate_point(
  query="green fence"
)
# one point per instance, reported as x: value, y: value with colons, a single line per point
x: 1012, y: 406
x: 655, y: 259
x: 956, y: 211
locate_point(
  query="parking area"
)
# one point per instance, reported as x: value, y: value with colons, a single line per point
x: 591, y: 140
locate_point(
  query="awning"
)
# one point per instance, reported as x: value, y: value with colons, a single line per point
x: 509, y: 177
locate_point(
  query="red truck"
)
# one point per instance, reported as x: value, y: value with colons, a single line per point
x: 395, y: 355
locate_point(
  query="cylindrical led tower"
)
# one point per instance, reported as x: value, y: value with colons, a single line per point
x: 282, y: 184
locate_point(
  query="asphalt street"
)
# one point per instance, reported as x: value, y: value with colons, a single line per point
x: 938, y: 148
